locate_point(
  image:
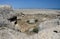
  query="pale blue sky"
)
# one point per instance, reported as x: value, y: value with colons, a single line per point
x: 32, y: 3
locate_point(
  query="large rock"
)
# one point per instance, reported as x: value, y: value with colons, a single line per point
x: 5, y: 10
x: 51, y: 33
x: 49, y: 24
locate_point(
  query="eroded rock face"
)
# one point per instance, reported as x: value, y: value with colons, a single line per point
x: 51, y: 33
x: 49, y: 24
x: 5, y: 34
x: 19, y: 25
x: 31, y: 21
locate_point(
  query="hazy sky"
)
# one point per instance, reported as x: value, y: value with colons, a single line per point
x: 32, y: 3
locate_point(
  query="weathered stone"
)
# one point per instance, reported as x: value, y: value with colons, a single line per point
x: 29, y: 23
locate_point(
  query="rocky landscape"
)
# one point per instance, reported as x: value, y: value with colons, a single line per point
x: 29, y: 23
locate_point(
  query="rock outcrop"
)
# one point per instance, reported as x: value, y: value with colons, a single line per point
x: 29, y: 23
